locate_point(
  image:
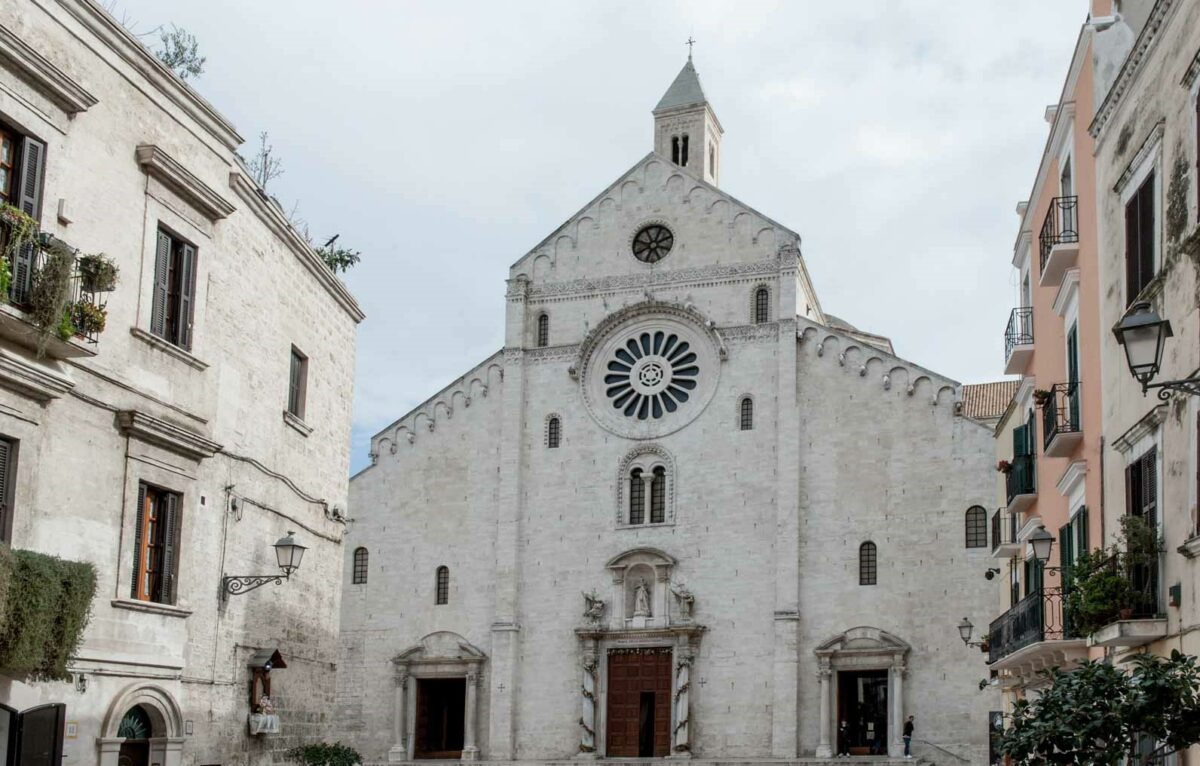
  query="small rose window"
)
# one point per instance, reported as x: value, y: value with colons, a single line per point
x: 651, y: 375
x: 652, y: 243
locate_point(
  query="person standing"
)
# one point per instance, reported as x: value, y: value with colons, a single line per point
x: 843, y: 739
x: 908, y: 735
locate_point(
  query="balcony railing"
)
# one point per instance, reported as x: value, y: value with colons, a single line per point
x: 86, y: 305
x: 1019, y: 331
x: 1037, y: 617
x: 1021, y: 477
x: 1004, y: 529
x: 1060, y: 412
x: 1061, y: 225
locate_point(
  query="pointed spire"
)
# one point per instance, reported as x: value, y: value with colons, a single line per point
x: 685, y: 90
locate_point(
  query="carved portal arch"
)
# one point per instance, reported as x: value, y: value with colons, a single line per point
x: 166, y: 721
x: 862, y: 648
x: 442, y: 654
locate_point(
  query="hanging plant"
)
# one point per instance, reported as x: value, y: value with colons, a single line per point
x: 22, y: 229
x: 97, y: 272
x: 87, y: 318
x: 50, y: 294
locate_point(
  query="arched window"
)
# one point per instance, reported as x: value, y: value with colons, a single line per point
x: 553, y: 433
x: 976, y: 527
x: 637, y: 497
x: 543, y: 330
x: 762, y: 305
x: 746, y: 414
x: 867, y: 564
x: 360, y: 566
x: 683, y: 151
x: 675, y: 149
x: 658, y: 496
x: 442, y: 596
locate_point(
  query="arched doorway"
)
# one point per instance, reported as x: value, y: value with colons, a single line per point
x: 143, y: 726
x: 861, y: 676
x: 136, y: 728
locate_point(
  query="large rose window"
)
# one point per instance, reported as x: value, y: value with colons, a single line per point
x: 651, y: 375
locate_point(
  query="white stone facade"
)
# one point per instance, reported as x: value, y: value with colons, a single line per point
x: 751, y: 568
x: 129, y: 149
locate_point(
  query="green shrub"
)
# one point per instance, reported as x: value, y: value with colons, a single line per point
x: 6, y: 575
x: 45, y: 612
x: 325, y: 754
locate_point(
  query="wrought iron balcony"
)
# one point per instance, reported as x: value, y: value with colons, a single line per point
x: 1004, y: 534
x: 1018, y: 340
x: 1059, y: 241
x: 1020, y: 483
x: 36, y: 276
x: 1061, y: 428
x: 1037, y: 617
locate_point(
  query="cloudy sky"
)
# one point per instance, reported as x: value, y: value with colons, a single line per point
x: 445, y: 139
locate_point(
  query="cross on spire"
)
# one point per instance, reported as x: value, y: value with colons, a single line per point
x: 690, y: 42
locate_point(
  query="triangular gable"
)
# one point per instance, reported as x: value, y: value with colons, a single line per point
x: 629, y: 175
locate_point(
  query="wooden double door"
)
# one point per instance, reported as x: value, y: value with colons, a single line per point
x: 639, y: 703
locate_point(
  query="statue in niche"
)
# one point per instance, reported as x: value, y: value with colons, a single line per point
x: 593, y: 607
x: 687, y: 601
x: 641, y: 600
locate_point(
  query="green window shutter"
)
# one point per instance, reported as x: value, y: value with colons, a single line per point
x: 1081, y: 520
x: 162, y: 273
x: 1073, y: 354
x: 187, y: 294
x: 139, y: 523
x: 29, y: 195
x: 1149, y: 504
x: 1020, y: 441
x: 170, y: 543
x: 1066, y: 554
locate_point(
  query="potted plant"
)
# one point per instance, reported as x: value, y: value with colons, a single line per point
x: 1098, y: 592
x: 1004, y: 466
x: 97, y: 272
x: 1041, y: 396
x: 88, y: 318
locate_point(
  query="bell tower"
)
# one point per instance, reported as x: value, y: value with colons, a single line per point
x: 686, y: 129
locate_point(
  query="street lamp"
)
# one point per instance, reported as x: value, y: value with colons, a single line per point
x: 1144, y: 335
x: 288, y: 553
x: 965, y: 629
x: 1042, y: 543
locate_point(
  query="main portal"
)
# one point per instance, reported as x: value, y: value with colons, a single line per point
x: 639, y: 702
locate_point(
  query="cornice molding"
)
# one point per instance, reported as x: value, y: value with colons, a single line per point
x: 56, y: 84
x: 1144, y: 152
x: 770, y: 266
x: 32, y: 380
x: 1145, y: 426
x: 1068, y: 290
x: 170, y: 437
x: 1132, y: 66
x: 157, y: 163
x: 269, y: 214
x: 121, y: 41
x: 1070, y: 479
x: 1192, y: 73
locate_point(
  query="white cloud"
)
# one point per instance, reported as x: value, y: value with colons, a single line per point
x: 445, y: 139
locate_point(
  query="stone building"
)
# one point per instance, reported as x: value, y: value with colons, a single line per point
x: 682, y: 512
x: 209, y: 419
x: 1146, y: 131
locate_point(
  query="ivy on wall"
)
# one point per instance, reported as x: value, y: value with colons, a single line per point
x: 45, y: 603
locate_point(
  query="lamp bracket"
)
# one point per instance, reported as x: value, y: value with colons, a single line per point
x: 234, y: 585
x: 1186, y: 385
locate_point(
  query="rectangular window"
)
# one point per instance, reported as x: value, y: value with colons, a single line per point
x: 22, y: 167
x: 1141, y: 499
x: 1139, y: 240
x: 297, y: 383
x: 156, y: 544
x: 8, y: 476
x: 173, y: 305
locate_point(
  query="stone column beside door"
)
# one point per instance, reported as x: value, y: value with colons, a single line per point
x: 399, y: 750
x: 824, y: 747
x: 896, y: 702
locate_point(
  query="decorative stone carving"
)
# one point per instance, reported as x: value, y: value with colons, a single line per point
x: 593, y: 607
x: 683, y: 712
x: 685, y: 600
x: 641, y: 600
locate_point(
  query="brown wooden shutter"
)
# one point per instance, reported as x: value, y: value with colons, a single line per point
x: 162, y: 272
x: 33, y: 155
x: 170, y: 543
x: 1150, y: 487
x: 139, y: 524
x: 1146, y: 232
x: 7, y: 463
x: 187, y: 295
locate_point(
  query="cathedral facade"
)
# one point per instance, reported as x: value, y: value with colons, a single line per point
x: 682, y: 513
